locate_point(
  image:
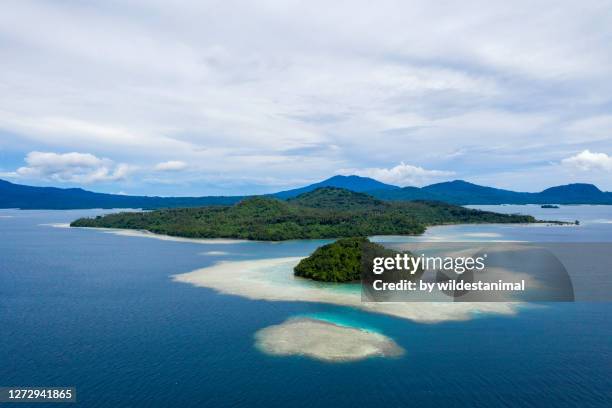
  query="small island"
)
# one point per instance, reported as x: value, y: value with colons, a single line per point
x: 340, y: 261
x: 326, y: 212
x: 347, y: 260
x: 549, y: 206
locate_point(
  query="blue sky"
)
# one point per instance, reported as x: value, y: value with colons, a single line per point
x: 224, y: 97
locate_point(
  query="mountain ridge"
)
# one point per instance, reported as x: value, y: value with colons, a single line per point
x: 465, y: 193
x: 455, y: 192
x: 358, y: 184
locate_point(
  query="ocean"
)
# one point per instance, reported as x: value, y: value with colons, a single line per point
x: 100, y: 312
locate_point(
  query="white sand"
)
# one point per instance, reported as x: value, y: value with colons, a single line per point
x: 325, y: 341
x: 56, y: 225
x: 147, y: 234
x: 273, y: 280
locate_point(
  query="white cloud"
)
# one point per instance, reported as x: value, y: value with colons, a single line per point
x: 427, y: 78
x: 72, y: 167
x: 171, y: 165
x: 588, y: 161
x: 401, y: 175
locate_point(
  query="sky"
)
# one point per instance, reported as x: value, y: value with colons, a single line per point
x: 225, y: 97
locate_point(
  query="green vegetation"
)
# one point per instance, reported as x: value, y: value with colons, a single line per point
x: 336, y: 262
x: 345, y: 260
x: 323, y: 213
x: 333, y: 198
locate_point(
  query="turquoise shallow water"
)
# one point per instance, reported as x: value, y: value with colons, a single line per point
x: 99, y: 312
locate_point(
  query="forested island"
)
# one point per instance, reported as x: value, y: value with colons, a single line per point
x: 326, y: 212
x: 340, y: 261
x: 350, y: 260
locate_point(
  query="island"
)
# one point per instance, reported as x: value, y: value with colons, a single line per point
x: 549, y: 206
x: 340, y: 261
x: 349, y: 260
x: 326, y: 212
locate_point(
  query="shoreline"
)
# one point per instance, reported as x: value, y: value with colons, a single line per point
x: 272, y: 280
x: 126, y: 232
x: 148, y: 234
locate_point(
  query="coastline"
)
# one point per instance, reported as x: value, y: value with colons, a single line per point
x: 272, y: 280
x: 127, y: 232
x: 148, y: 234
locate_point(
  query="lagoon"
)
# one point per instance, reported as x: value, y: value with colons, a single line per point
x: 101, y: 312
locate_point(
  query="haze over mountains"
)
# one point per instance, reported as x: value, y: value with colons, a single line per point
x: 455, y: 192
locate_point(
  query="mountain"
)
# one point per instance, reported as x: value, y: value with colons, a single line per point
x: 459, y: 191
x: 462, y: 192
x: 577, y: 192
x: 334, y: 198
x: 454, y: 192
x: 353, y: 183
x: 28, y: 197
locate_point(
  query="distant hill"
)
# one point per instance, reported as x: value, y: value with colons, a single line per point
x: 462, y: 192
x: 333, y: 198
x: 573, y: 193
x: 28, y: 197
x: 457, y: 192
x: 327, y: 212
x: 454, y: 192
x: 353, y: 183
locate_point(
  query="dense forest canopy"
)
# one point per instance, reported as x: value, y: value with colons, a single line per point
x: 327, y: 212
x: 341, y: 261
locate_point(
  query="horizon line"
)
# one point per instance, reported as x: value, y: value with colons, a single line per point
x: 82, y: 187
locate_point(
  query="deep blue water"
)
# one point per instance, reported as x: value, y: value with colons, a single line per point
x: 99, y: 312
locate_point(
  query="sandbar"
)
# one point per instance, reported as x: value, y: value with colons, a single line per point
x: 162, y: 237
x: 325, y: 341
x: 273, y: 280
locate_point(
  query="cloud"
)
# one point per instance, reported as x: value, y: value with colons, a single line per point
x: 72, y: 167
x: 418, y: 78
x: 171, y: 165
x: 402, y: 174
x: 588, y: 161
